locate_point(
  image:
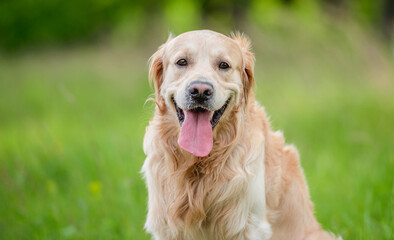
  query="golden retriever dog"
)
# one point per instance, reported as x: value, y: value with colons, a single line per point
x: 214, y: 169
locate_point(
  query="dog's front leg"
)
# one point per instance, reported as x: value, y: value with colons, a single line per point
x: 257, y: 227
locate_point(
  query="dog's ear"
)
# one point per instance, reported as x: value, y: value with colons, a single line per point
x: 248, y: 62
x: 156, y: 69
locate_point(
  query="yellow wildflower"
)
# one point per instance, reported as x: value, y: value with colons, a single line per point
x: 95, y: 188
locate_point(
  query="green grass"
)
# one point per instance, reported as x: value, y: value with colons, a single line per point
x: 72, y: 123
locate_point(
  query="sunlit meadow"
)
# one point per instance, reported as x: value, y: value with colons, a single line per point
x: 72, y: 123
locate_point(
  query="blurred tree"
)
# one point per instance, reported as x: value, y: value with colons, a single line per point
x: 26, y: 23
x: 334, y: 2
x: 388, y: 18
x: 232, y: 11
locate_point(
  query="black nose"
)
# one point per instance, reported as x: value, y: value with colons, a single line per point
x: 200, y: 91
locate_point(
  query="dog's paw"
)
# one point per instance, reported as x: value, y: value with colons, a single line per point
x: 259, y: 231
x: 265, y: 229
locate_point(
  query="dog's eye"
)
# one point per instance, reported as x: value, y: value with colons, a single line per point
x: 182, y: 62
x: 223, y: 65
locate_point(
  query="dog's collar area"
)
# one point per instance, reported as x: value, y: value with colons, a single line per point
x: 215, y: 117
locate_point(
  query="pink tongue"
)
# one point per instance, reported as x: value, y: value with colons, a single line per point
x: 196, y: 133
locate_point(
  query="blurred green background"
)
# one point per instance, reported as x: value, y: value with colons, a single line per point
x: 73, y: 85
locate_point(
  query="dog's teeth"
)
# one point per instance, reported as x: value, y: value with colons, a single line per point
x: 211, y: 115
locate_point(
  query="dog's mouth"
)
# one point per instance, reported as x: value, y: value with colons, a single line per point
x: 197, y: 123
x: 214, y: 118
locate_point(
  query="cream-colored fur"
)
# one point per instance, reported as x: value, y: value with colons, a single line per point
x: 251, y: 185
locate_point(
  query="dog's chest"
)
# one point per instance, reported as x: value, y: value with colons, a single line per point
x: 212, y: 203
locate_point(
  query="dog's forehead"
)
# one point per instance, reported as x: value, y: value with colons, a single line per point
x: 196, y: 41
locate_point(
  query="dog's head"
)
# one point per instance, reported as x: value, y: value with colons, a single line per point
x: 200, y: 77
